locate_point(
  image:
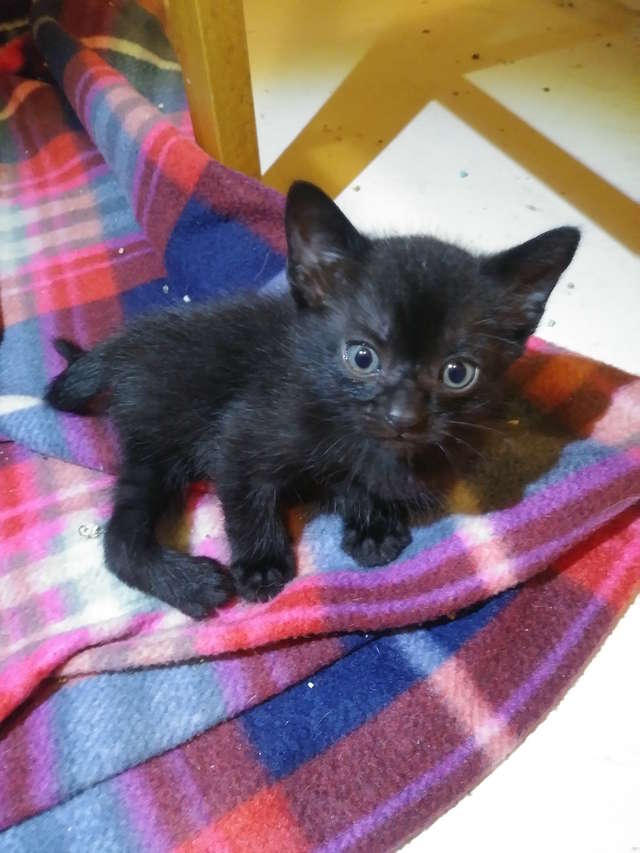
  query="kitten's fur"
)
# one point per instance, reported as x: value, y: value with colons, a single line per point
x: 256, y: 394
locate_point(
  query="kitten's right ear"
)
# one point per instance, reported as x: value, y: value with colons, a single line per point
x: 321, y: 243
x: 526, y: 275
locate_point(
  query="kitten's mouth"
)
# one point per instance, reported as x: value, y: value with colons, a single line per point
x: 395, y: 439
x: 400, y: 440
x: 405, y: 441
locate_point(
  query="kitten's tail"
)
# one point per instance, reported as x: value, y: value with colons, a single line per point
x: 81, y: 381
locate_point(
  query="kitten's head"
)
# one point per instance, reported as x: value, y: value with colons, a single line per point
x: 408, y: 338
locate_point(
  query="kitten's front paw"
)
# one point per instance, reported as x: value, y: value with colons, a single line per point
x: 260, y: 580
x: 375, y: 545
x: 194, y: 585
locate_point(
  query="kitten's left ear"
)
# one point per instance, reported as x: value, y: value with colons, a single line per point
x: 528, y: 273
x: 321, y: 243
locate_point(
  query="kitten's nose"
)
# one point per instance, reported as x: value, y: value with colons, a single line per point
x: 404, y: 414
x: 403, y: 421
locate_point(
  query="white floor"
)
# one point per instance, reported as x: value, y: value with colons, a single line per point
x: 575, y: 783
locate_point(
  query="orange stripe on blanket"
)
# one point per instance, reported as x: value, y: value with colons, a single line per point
x: 90, y: 274
x: 276, y: 832
x: 75, y: 290
x: 18, y: 96
x: 617, y: 543
x: 69, y: 149
x: 559, y: 377
x: 18, y: 485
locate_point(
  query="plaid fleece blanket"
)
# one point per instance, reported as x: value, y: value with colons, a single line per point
x: 360, y: 755
x: 110, y: 209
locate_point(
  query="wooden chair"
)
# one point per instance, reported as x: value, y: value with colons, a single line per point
x: 210, y: 40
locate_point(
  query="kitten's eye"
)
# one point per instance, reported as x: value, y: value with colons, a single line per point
x: 459, y: 374
x: 361, y: 358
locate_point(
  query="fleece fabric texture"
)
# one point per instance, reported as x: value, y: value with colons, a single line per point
x: 112, y: 210
x: 359, y: 756
x: 297, y: 728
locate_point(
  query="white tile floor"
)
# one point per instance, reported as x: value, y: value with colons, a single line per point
x: 575, y: 783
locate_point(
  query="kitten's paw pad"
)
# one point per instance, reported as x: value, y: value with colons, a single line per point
x: 197, y: 586
x: 370, y: 547
x: 260, y: 581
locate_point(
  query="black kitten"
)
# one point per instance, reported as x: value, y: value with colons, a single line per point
x: 383, y: 351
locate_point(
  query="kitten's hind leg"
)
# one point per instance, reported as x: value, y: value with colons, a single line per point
x: 194, y: 585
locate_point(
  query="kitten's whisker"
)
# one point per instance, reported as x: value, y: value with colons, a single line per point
x: 442, y: 449
x: 465, y: 443
x: 478, y: 426
x: 498, y: 338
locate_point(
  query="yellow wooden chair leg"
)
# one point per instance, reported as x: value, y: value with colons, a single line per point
x: 210, y: 40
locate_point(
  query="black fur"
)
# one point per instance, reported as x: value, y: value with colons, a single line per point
x: 265, y: 395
